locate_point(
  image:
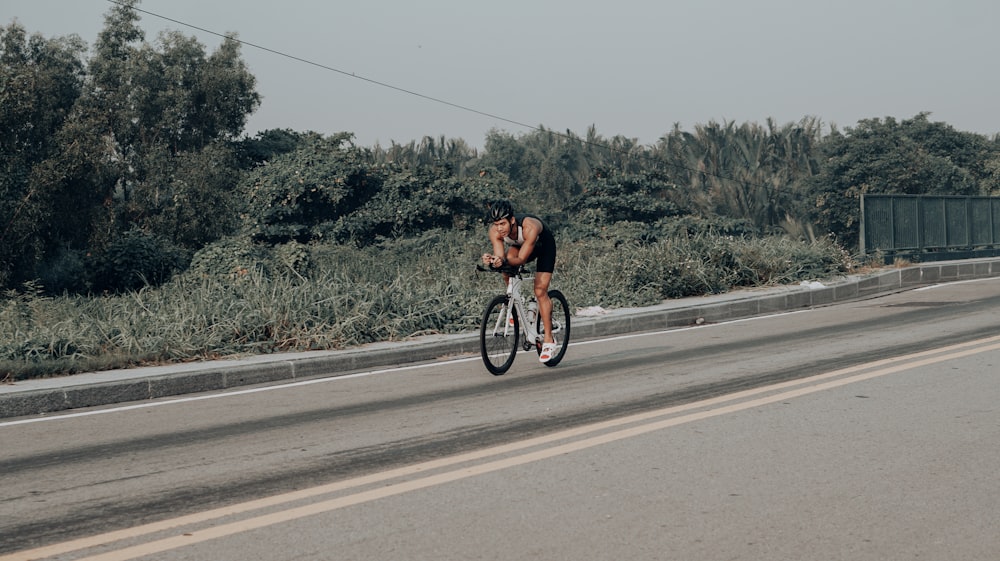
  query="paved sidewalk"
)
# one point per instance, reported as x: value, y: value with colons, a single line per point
x: 33, y: 397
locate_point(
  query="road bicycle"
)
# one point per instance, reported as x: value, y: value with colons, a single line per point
x: 510, y: 319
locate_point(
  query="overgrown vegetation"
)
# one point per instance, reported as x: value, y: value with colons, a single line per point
x: 138, y: 225
x: 296, y: 297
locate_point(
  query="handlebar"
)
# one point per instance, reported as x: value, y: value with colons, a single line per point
x: 508, y: 269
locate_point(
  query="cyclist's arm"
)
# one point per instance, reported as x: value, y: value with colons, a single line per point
x: 532, y: 229
x: 498, y: 247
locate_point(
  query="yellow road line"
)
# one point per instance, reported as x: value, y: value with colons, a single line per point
x: 812, y: 384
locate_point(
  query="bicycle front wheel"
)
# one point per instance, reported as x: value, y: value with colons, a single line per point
x: 560, y: 326
x: 498, y: 336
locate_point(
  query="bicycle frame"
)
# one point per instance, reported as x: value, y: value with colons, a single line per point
x: 498, y: 341
x: 516, y: 304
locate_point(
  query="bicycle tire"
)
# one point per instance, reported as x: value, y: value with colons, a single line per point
x: 498, y: 346
x: 560, y: 314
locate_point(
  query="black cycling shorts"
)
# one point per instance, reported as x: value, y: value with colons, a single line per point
x: 544, y: 252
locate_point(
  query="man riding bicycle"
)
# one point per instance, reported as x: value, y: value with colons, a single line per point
x: 526, y: 239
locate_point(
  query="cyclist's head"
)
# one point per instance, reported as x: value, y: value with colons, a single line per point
x: 499, y: 210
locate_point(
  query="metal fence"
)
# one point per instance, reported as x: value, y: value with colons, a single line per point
x: 917, y: 223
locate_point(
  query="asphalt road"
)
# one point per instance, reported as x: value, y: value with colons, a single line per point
x: 864, y: 430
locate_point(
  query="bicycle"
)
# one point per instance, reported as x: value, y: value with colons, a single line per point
x: 508, y: 317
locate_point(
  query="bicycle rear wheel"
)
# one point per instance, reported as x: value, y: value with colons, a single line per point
x: 498, y: 336
x: 560, y: 326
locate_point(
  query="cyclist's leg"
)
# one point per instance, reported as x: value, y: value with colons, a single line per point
x: 546, y: 255
x: 541, y: 287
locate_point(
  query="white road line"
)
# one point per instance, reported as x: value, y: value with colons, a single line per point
x: 337, y: 378
x: 939, y: 285
x: 532, y: 450
x: 300, y: 383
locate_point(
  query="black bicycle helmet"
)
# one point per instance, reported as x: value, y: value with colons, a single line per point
x: 499, y: 210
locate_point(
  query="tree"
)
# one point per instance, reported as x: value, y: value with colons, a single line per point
x: 546, y: 168
x: 40, y: 80
x: 455, y: 154
x: 179, y: 101
x: 510, y: 156
x: 204, y: 203
x: 269, y: 144
x: 412, y: 200
x: 136, y: 135
x: 913, y: 156
x: 748, y: 172
x: 642, y: 197
x: 300, y: 196
x: 94, y: 149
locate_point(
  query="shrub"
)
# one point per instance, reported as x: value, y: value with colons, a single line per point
x: 65, y: 271
x: 240, y: 298
x: 135, y: 260
x: 229, y: 257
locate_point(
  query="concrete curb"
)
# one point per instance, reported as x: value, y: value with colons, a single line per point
x: 34, y: 397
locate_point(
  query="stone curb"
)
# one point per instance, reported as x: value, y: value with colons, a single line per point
x: 86, y: 390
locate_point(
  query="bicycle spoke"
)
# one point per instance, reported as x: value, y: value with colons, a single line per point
x: 498, y: 336
x: 560, y: 326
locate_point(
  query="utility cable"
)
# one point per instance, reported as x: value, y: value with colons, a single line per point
x: 330, y: 68
x: 407, y: 91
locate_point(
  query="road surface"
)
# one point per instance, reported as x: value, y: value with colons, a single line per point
x: 864, y: 430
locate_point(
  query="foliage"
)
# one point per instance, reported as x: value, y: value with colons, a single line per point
x: 40, y: 80
x: 238, y: 256
x: 65, y: 270
x: 89, y: 159
x: 134, y: 260
x: 452, y: 153
x: 914, y: 156
x: 328, y: 189
x: 301, y: 195
x: 170, y: 125
x: 640, y: 197
x: 618, y: 271
x: 227, y: 258
x: 414, y: 200
x: 267, y: 145
x: 199, y: 203
x: 750, y: 172
x: 242, y: 298
x: 511, y: 156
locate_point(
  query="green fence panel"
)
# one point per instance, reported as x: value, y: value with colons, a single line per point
x: 927, y: 222
x: 935, y: 229
x: 981, y: 222
x: 957, y: 222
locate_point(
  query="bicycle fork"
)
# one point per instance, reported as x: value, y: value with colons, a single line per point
x: 506, y: 324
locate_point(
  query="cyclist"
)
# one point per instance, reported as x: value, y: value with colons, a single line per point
x: 527, y: 239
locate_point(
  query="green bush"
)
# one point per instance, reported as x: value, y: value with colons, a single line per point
x: 240, y: 298
x: 66, y: 271
x: 228, y: 258
x: 135, y: 260
x: 622, y: 272
x: 300, y: 195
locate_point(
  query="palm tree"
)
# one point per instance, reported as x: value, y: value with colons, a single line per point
x: 749, y: 171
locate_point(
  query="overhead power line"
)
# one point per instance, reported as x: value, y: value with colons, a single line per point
x: 402, y: 90
x: 330, y: 68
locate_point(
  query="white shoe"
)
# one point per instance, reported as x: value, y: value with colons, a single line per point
x: 548, y: 351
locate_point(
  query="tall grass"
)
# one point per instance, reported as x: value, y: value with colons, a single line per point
x: 346, y: 297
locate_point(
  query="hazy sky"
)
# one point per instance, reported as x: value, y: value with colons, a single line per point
x: 628, y: 67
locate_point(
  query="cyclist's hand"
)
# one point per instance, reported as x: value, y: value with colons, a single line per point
x: 492, y: 260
